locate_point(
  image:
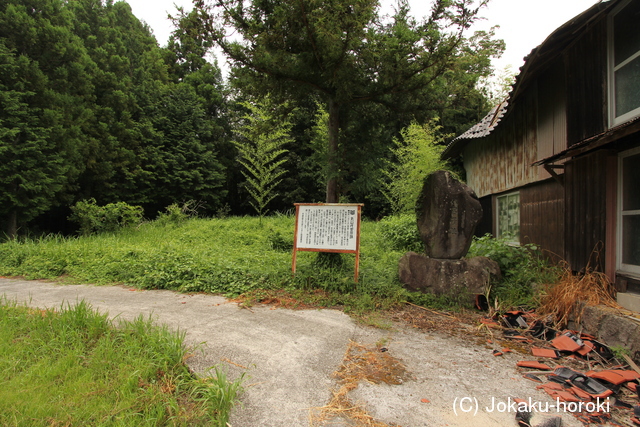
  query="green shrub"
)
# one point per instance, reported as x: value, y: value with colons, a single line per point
x: 523, y: 269
x: 108, y: 218
x: 417, y: 154
x: 176, y: 214
x: 401, y: 231
x: 511, y: 258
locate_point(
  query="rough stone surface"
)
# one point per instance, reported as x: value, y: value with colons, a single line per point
x: 444, y: 276
x: 448, y: 212
x: 611, y: 326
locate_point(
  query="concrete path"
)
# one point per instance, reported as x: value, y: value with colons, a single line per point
x: 288, y: 357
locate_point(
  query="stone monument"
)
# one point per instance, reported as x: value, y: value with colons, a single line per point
x: 448, y: 212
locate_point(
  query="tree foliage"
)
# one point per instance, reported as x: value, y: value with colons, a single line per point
x: 91, y: 107
x: 416, y: 154
x: 344, y: 52
x: 43, y: 92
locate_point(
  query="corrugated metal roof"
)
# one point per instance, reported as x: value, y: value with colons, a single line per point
x: 479, y: 130
x: 536, y: 61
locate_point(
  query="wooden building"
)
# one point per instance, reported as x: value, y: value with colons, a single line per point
x: 558, y: 163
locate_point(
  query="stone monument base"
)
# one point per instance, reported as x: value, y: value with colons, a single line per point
x: 447, y: 276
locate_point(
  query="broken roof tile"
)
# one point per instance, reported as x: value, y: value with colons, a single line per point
x: 565, y: 396
x: 586, y: 348
x: 533, y: 364
x: 550, y: 386
x: 614, y: 376
x: 583, y: 395
x: 544, y: 352
x: 564, y: 343
x: 532, y: 378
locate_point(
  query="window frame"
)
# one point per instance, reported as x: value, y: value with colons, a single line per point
x: 627, y: 269
x: 612, y: 68
x: 511, y: 240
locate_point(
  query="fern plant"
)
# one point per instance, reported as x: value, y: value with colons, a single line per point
x: 261, y: 142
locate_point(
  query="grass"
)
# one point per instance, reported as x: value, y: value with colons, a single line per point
x: 230, y: 256
x: 245, y: 256
x: 75, y: 367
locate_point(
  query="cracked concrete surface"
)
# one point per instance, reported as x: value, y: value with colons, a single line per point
x: 288, y: 358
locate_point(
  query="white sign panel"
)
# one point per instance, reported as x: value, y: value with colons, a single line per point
x: 327, y: 227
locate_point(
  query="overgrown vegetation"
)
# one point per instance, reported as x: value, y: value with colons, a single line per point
x: 401, y: 231
x: 176, y: 214
x: 75, y: 367
x: 92, y: 218
x: 415, y: 155
x: 234, y: 256
x: 228, y: 256
x: 525, y: 272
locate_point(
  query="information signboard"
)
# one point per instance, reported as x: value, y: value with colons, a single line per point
x: 327, y: 227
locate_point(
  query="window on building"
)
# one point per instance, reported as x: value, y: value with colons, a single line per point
x: 629, y: 212
x: 624, y: 62
x: 508, y: 218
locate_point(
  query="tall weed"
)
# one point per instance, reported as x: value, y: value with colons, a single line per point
x: 402, y: 232
x: 229, y: 256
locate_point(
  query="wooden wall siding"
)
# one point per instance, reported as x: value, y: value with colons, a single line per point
x: 586, y: 80
x: 501, y: 161
x: 585, y: 210
x: 542, y: 217
x: 552, y: 113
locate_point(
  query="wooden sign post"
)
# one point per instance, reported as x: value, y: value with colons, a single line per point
x: 328, y: 227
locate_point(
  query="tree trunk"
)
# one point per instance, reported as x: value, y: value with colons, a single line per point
x: 332, y: 152
x: 12, y: 224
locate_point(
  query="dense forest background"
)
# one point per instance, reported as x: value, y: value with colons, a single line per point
x: 91, y: 107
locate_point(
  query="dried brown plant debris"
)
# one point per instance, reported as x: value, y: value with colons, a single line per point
x: 360, y: 364
x: 430, y: 320
x: 565, y: 299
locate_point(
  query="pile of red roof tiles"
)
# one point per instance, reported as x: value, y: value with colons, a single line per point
x: 594, y: 390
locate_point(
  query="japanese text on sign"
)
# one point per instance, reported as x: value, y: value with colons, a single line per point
x: 327, y: 227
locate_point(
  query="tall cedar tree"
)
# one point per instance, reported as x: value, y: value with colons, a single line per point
x: 91, y: 107
x: 341, y: 50
x: 44, y: 86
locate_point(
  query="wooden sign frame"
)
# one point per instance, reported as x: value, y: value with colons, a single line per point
x: 328, y: 227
